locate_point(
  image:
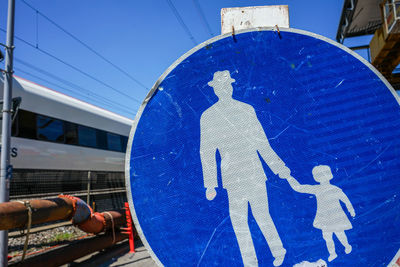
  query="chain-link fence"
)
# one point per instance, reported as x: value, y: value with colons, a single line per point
x: 104, y: 190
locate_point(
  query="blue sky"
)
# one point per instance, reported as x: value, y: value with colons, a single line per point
x: 142, y: 38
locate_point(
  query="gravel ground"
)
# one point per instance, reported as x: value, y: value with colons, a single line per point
x: 41, y: 241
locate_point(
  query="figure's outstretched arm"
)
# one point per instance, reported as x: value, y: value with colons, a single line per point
x: 296, y: 186
x: 348, y: 204
x: 274, y: 162
x: 208, y: 160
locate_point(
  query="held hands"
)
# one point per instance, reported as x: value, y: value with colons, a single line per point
x: 284, y: 173
x: 211, y: 193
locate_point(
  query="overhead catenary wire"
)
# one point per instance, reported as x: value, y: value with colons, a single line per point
x: 203, y: 17
x: 69, y: 90
x: 87, y: 46
x: 79, y: 89
x: 66, y: 89
x: 37, y: 29
x: 74, y: 68
x: 180, y: 20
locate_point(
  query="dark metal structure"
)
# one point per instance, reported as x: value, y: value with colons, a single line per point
x: 359, y: 17
x: 367, y: 17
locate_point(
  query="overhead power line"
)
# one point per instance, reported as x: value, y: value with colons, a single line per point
x: 203, y: 17
x: 74, y: 68
x: 85, y: 45
x: 180, y: 20
x: 69, y: 90
x: 78, y: 89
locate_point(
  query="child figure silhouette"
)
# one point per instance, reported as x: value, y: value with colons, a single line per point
x: 330, y: 217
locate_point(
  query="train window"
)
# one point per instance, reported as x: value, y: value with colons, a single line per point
x: 124, y: 141
x: 87, y: 136
x: 26, y: 124
x: 71, y: 133
x: 101, y: 139
x: 34, y: 126
x: 50, y: 129
x: 114, y: 142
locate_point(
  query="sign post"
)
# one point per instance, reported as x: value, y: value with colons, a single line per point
x: 266, y: 149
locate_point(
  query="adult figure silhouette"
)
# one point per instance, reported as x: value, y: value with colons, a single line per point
x: 232, y: 128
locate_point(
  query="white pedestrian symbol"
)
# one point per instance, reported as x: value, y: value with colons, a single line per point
x: 232, y: 128
x: 330, y: 217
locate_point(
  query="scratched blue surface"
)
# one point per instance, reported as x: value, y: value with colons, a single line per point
x: 318, y: 104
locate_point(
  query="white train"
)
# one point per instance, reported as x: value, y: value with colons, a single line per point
x: 56, y: 139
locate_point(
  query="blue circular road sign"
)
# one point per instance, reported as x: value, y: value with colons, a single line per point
x: 268, y: 149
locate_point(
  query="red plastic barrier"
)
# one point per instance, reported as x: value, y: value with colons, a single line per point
x: 130, y: 229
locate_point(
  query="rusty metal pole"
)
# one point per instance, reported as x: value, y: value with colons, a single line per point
x: 15, y: 214
x: 5, y: 167
x: 66, y: 254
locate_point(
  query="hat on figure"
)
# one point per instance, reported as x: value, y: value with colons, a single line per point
x: 220, y: 77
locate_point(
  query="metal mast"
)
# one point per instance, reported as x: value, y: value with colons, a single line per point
x: 5, y: 167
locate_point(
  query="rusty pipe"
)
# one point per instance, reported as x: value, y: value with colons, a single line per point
x: 15, y: 214
x: 94, y: 222
x: 100, y: 222
x: 76, y: 250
